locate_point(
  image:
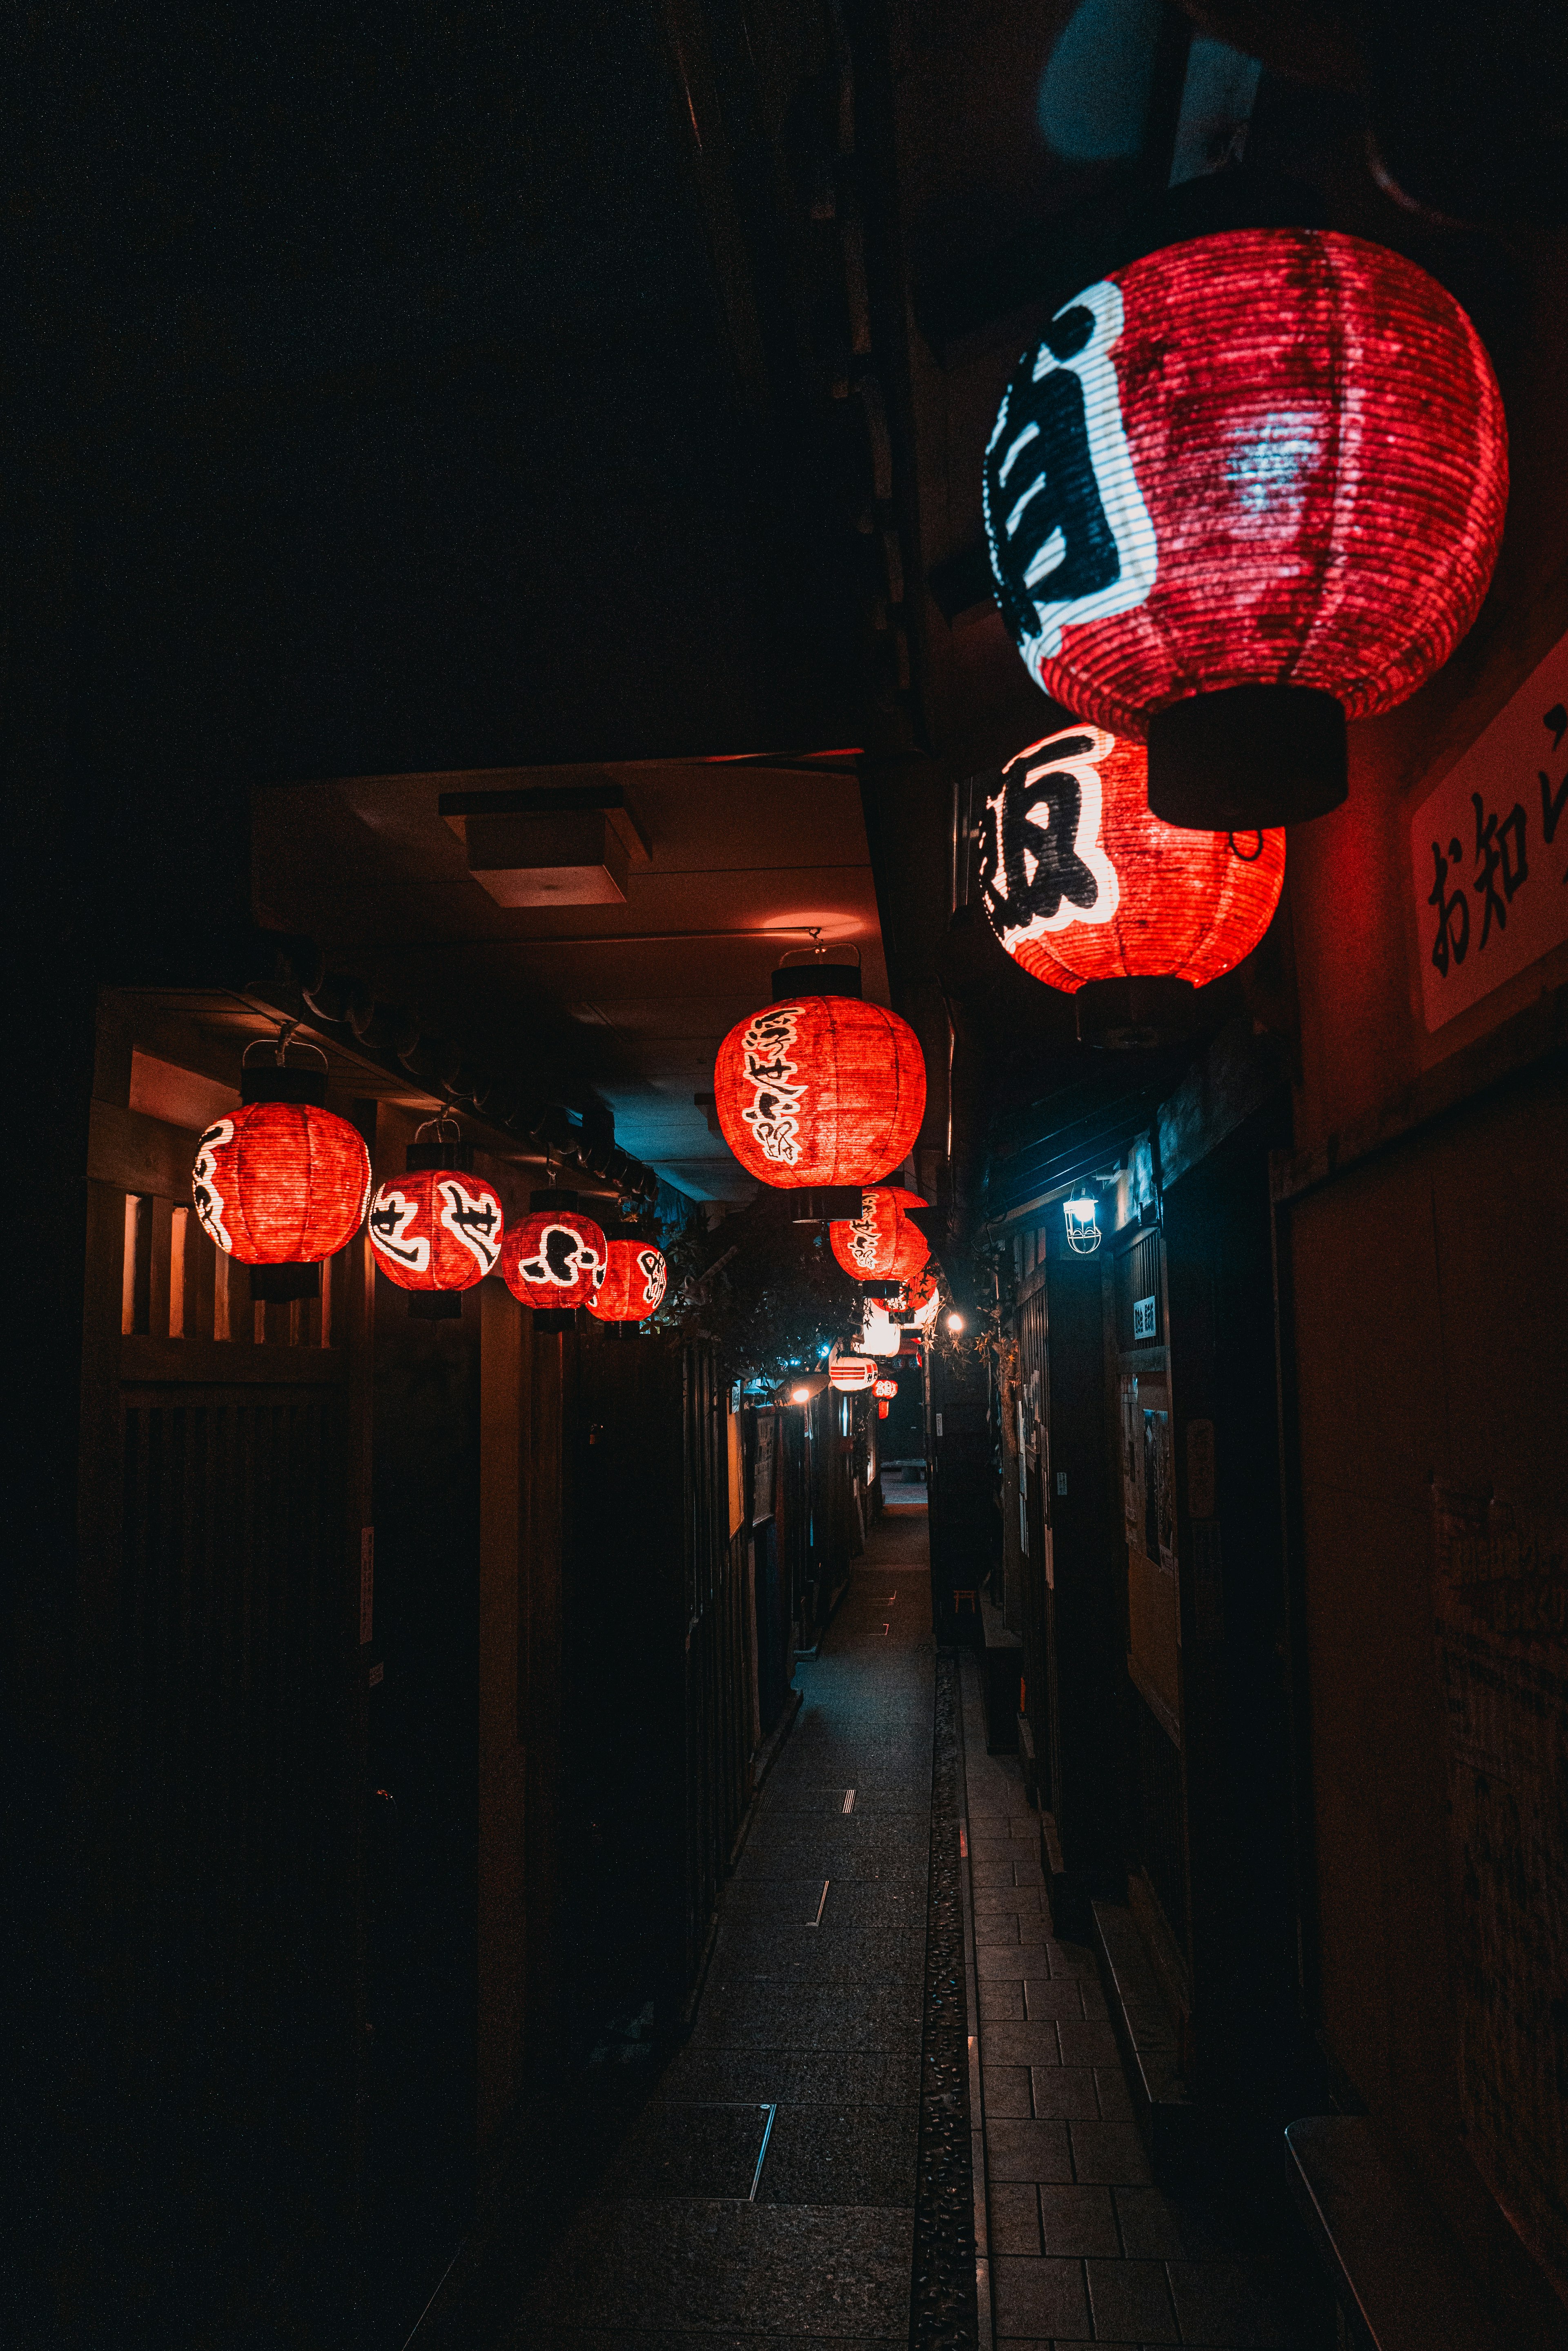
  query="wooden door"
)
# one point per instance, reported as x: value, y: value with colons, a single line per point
x: 221, y: 1754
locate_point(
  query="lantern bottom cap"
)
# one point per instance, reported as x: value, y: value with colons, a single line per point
x: 1134, y: 1016
x: 279, y: 1285
x: 1248, y: 758
x: 435, y: 1305
x: 825, y: 1201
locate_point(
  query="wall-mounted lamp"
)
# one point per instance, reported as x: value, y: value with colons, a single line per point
x: 955, y: 1324
x: 1084, y: 1234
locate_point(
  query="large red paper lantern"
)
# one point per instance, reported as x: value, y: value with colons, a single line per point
x: 634, y: 1280
x: 1244, y: 488
x: 282, y: 1182
x: 881, y: 1244
x: 1082, y: 883
x: 820, y: 1089
x: 554, y: 1260
x: 438, y: 1229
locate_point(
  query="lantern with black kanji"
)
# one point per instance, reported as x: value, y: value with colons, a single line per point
x: 1247, y: 487
x: 821, y: 1094
x: 1084, y: 886
x: 636, y: 1276
x: 881, y: 1245
x: 554, y: 1260
x: 436, y: 1229
x: 849, y: 1374
x: 281, y: 1182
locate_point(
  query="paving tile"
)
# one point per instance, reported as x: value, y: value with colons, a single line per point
x: 1093, y: 1997
x: 840, y: 2155
x: 994, y: 1934
x: 1115, y: 2098
x: 1053, y: 1996
x: 834, y: 2077
x: 1130, y: 2303
x: 1020, y: 2045
x: 1109, y: 2153
x: 1006, y: 2091
x: 986, y: 1875
x: 1034, y: 1930
x: 1216, y: 2301
x: 701, y: 2266
x: 1067, y: 2092
x: 1039, y: 2299
x: 1027, y: 2150
x: 825, y: 1954
x: 598, y: 2338
x: 1026, y: 1826
x: 1087, y: 2044
x: 1001, y: 2000
x: 1071, y: 1960
x: 1078, y: 2220
x: 748, y: 2012
x: 1027, y: 1871
x: 989, y: 1848
x: 1149, y: 2227
x: 991, y: 1901
x: 1012, y: 2217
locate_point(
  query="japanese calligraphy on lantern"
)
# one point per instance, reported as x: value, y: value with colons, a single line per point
x: 1489, y: 851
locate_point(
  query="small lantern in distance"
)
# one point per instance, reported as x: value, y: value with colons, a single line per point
x: 849, y: 1374
x: 282, y: 1182
x: 636, y: 1277
x: 884, y: 1391
x: 437, y: 1230
x: 881, y: 1245
x: 554, y: 1260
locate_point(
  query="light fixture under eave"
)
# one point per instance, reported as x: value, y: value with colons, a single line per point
x: 544, y: 845
x: 1084, y: 1235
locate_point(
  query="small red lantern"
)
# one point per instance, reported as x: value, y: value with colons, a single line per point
x: 1082, y: 883
x: 821, y: 1090
x: 885, y: 1390
x: 437, y: 1229
x: 1247, y: 487
x: 881, y: 1244
x: 282, y: 1182
x: 554, y: 1260
x: 634, y: 1280
x: 851, y: 1374
x: 882, y: 1408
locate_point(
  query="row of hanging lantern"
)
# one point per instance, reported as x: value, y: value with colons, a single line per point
x: 1241, y: 490
x: 283, y: 1182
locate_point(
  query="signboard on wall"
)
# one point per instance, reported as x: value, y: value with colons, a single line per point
x: 1501, y: 1597
x: 1489, y: 851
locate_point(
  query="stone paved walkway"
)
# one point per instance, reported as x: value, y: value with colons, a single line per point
x: 1084, y: 2249
x: 812, y: 2008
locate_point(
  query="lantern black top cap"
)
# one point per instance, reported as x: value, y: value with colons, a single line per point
x: 279, y: 1082
x: 553, y: 1196
x: 447, y: 1149
x: 816, y: 977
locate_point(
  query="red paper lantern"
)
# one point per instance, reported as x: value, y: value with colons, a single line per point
x: 634, y: 1281
x: 437, y: 1228
x: 916, y: 1302
x: 882, y: 1408
x: 281, y: 1181
x: 885, y: 1389
x: 881, y: 1244
x: 1269, y: 464
x: 851, y: 1374
x: 555, y: 1258
x: 821, y: 1091
x: 1081, y: 883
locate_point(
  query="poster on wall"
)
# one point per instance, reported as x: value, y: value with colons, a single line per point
x: 1500, y: 1600
x: 1159, y: 1490
x: 1488, y: 849
x: 762, y: 1480
x: 1131, y: 1461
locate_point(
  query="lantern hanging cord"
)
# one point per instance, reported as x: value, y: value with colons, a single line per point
x: 443, y: 1119
x: 280, y: 1049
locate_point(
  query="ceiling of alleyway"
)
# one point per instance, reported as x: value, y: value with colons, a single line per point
x: 596, y: 392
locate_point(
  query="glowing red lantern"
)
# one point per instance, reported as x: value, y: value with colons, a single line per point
x: 885, y: 1390
x: 554, y: 1260
x: 1082, y: 883
x: 282, y: 1182
x: 437, y: 1229
x: 821, y: 1090
x: 881, y: 1244
x: 851, y: 1374
x: 882, y: 1408
x: 1247, y: 487
x: 917, y: 1300
x: 634, y: 1280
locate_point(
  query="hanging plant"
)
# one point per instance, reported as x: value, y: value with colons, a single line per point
x: 765, y: 1290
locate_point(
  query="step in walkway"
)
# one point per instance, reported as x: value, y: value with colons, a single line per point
x: 765, y: 2197
x: 1083, y: 2247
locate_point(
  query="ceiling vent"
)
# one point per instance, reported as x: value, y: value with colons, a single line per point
x: 568, y: 845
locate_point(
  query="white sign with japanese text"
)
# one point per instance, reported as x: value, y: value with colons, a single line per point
x: 1488, y: 849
